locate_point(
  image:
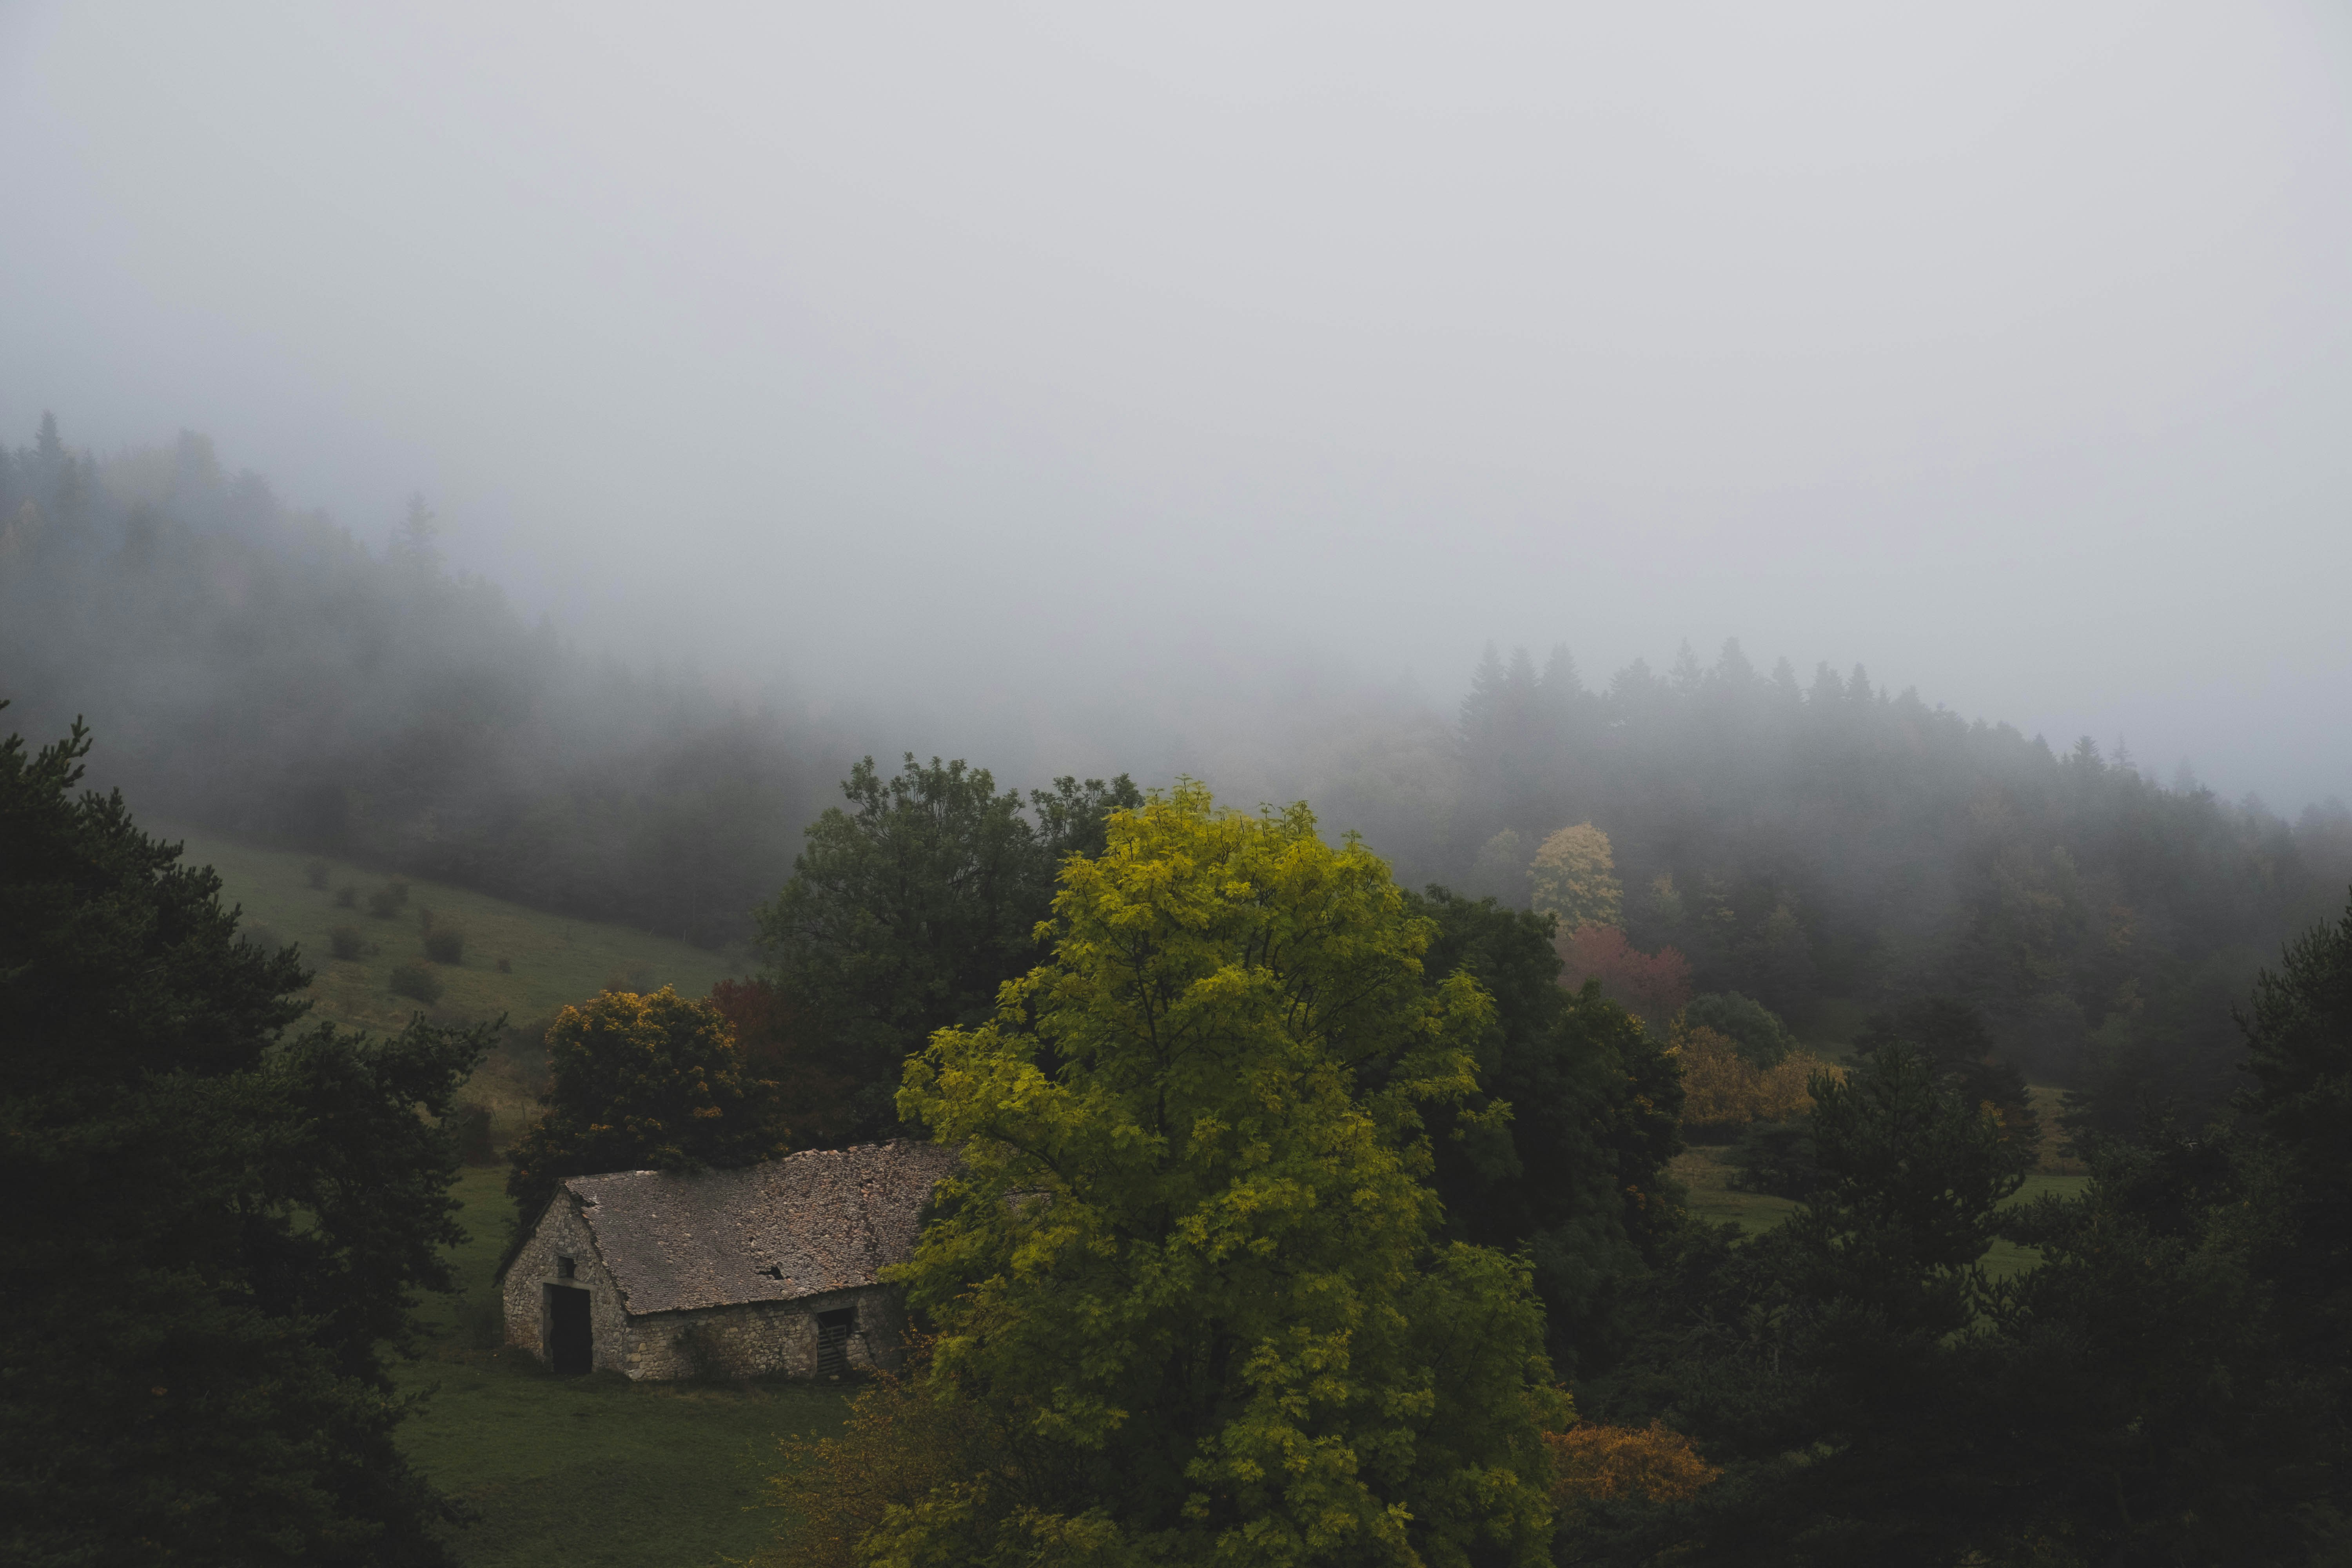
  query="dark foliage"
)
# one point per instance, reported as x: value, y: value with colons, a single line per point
x: 1762, y: 1038
x: 1951, y: 1035
x: 906, y: 912
x: 644, y: 1082
x: 2169, y: 1386
x: 232, y: 1223
x: 469, y: 1133
x: 1775, y: 1157
x: 416, y: 981
x: 1576, y: 1177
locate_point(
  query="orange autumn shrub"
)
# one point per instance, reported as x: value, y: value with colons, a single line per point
x: 1654, y: 1463
x: 1723, y: 1091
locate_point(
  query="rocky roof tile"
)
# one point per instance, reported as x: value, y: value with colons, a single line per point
x: 824, y: 1220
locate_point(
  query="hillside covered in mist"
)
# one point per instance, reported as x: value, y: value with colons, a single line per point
x: 257, y: 670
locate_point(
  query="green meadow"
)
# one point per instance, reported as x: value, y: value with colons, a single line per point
x: 587, y: 1472
x: 518, y: 963
x: 550, y: 960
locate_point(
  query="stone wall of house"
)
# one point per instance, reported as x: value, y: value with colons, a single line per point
x: 563, y: 1233
x: 755, y: 1339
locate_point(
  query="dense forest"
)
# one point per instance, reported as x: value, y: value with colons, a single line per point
x: 256, y: 668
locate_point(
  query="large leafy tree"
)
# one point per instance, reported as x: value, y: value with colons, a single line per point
x: 906, y: 912
x: 219, y: 1229
x: 653, y: 1082
x: 1191, y: 1272
x: 1562, y: 1150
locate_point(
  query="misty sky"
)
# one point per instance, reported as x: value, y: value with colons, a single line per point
x: 963, y: 351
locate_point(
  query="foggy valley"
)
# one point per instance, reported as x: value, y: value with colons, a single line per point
x: 1164, y: 705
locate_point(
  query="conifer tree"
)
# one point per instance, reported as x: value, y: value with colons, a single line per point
x: 220, y: 1225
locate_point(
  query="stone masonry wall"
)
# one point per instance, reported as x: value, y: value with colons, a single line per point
x: 759, y: 1338
x: 563, y: 1233
x: 754, y: 1339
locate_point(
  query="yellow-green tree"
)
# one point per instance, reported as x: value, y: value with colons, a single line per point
x: 644, y: 1083
x: 1187, y: 1279
x: 1574, y: 875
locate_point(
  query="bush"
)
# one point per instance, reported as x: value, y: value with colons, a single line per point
x: 348, y: 897
x: 446, y: 944
x: 387, y: 901
x: 415, y: 981
x: 1603, y: 1464
x: 315, y: 872
x: 468, y: 1126
x: 1776, y: 1157
x: 484, y: 1318
x: 896, y: 1446
x: 345, y: 943
x: 1755, y: 1028
x: 506, y: 967
x: 1723, y: 1091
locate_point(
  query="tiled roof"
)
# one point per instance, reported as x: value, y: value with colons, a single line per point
x: 824, y: 1220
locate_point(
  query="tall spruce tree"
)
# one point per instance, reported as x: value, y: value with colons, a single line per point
x: 218, y: 1228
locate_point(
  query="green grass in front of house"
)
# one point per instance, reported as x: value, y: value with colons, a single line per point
x: 587, y: 1472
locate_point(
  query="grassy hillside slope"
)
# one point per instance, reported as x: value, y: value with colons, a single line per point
x: 520, y: 962
x: 551, y: 960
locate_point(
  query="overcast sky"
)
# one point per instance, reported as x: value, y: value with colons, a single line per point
x: 970, y: 348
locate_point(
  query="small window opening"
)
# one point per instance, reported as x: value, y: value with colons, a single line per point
x: 566, y: 1269
x: 773, y: 1271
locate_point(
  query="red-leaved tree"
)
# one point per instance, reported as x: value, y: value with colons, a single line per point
x: 1654, y: 985
x: 777, y: 1046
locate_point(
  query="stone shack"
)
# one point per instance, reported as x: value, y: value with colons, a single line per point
x: 771, y: 1269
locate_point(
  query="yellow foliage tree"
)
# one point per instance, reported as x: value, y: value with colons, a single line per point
x: 1723, y: 1088
x: 1574, y: 875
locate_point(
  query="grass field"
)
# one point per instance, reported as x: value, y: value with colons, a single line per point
x: 588, y: 1472
x: 1715, y: 1200
x: 550, y: 959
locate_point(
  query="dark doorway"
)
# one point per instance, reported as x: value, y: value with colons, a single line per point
x: 832, y: 1331
x: 570, y: 1343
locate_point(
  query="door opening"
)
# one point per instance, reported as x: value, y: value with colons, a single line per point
x: 832, y: 1331
x: 571, y: 1342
